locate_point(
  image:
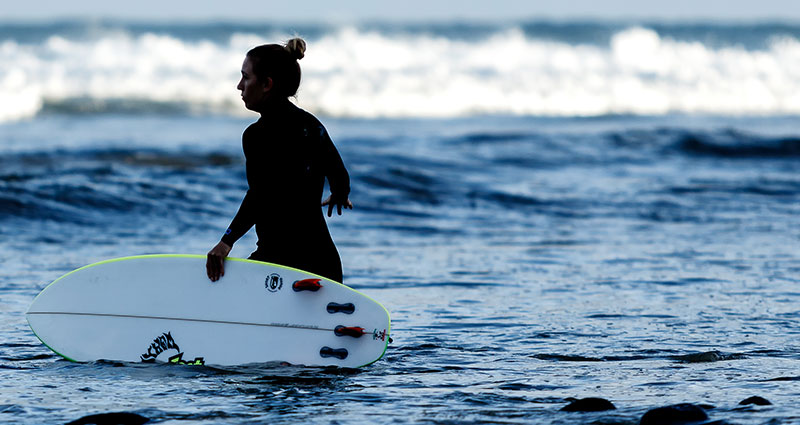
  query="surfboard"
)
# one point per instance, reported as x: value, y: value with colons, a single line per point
x: 163, y: 308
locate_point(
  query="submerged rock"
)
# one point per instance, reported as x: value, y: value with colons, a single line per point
x: 758, y: 401
x: 707, y: 357
x: 119, y: 418
x: 678, y: 414
x: 589, y: 404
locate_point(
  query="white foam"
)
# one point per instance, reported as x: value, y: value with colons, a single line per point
x: 360, y: 73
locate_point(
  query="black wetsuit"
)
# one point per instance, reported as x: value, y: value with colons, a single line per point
x: 288, y: 155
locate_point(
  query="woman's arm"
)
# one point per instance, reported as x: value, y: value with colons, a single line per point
x: 241, y: 223
x: 336, y: 173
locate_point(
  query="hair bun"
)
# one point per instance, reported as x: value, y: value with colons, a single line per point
x: 296, y: 47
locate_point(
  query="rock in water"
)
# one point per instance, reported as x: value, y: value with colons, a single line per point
x: 121, y: 418
x: 590, y: 404
x: 677, y: 414
x: 758, y: 401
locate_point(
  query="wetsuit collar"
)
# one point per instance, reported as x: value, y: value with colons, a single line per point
x: 273, y: 107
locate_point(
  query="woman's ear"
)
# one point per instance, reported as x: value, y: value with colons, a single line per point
x: 267, y: 85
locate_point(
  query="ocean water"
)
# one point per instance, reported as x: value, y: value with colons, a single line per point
x: 548, y: 211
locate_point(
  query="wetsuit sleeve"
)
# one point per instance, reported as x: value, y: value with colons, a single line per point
x: 335, y: 171
x: 242, y: 221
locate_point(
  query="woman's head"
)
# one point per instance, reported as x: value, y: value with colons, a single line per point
x: 271, y: 71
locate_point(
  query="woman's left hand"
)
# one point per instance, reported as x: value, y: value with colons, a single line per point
x: 215, y: 261
x: 330, y: 203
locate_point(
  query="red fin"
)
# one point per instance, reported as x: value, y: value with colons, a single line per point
x: 312, y: 285
x: 353, y: 331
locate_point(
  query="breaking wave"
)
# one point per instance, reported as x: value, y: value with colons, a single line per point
x: 382, y: 71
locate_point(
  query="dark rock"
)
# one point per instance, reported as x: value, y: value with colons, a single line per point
x: 590, y: 404
x: 678, y: 414
x: 758, y: 401
x: 707, y: 357
x: 121, y: 418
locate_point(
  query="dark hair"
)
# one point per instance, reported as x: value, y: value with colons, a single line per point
x: 279, y: 63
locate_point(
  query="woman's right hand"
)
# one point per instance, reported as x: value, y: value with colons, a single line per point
x: 331, y: 202
x: 215, y: 261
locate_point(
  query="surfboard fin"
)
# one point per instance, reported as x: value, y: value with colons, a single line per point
x: 312, y: 285
x: 353, y: 331
x: 347, y: 308
x: 339, y: 353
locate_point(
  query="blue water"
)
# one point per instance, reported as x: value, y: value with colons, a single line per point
x: 526, y: 259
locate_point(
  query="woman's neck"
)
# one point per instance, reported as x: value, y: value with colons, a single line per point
x: 273, y: 105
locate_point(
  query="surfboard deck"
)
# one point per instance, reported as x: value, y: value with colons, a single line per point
x: 156, y: 308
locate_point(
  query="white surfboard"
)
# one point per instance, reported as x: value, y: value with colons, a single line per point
x: 164, y: 308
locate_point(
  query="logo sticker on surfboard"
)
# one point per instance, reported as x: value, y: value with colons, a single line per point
x: 163, y: 343
x: 376, y: 335
x: 274, y: 282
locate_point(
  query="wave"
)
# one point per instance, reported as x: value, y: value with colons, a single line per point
x: 89, y: 186
x: 704, y: 357
x: 159, y: 183
x: 727, y: 143
x: 380, y: 72
x: 738, y: 148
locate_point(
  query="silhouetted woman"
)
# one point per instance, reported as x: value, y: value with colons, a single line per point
x: 288, y: 156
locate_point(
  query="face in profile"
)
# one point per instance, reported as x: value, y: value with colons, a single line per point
x: 254, y: 91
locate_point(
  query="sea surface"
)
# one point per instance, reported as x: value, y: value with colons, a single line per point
x: 549, y: 211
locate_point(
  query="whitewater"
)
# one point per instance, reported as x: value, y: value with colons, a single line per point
x: 384, y: 71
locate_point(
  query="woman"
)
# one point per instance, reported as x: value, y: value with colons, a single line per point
x: 288, y: 155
